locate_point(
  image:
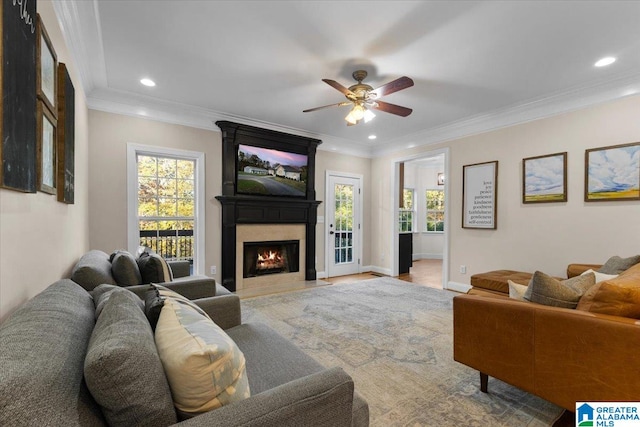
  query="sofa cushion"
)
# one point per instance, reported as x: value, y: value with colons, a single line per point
x: 124, y: 269
x: 205, y: 368
x: 102, y: 293
x: 547, y: 290
x: 618, y: 297
x: 42, y: 351
x: 517, y: 291
x: 93, y: 269
x: 122, y: 368
x: 497, y: 280
x: 616, y: 265
x: 154, y: 268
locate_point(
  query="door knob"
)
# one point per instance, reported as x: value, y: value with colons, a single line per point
x: 331, y: 232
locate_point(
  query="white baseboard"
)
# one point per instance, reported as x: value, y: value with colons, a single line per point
x: 458, y: 287
x: 379, y: 270
x: 417, y: 257
x: 321, y: 274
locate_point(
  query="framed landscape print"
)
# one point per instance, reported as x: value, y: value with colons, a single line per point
x: 480, y: 195
x: 612, y: 173
x: 46, y: 69
x: 544, y: 178
x: 66, y: 137
x: 47, y: 158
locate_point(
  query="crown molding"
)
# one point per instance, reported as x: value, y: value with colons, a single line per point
x: 82, y: 33
x: 576, y: 98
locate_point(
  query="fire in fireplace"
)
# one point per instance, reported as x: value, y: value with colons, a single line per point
x: 272, y: 257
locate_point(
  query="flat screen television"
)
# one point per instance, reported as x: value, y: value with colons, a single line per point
x: 269, y: 172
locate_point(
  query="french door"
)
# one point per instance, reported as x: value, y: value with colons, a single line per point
x: 343, y: 226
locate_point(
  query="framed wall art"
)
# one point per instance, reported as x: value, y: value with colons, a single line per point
x: 47, y: 157
x: 66, y: 137
x: 18, y: 167
x: 544, y: 178
x: 480, y: 195
x: 46, y: 69
x: 612, y: 173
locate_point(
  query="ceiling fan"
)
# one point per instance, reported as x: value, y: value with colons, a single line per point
x: 363, y: 98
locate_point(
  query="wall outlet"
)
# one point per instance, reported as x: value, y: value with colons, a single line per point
x: 463, y: 269
x: 214, y: 270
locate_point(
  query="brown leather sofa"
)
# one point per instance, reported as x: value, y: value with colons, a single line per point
x: 561, y: 355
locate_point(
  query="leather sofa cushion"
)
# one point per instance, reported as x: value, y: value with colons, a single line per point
x: 498, y: 280
x: 618, y: 297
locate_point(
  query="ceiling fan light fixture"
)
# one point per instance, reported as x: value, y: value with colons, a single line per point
x: 368, y: 116
x: 358, y: 112
x: 350, y: 118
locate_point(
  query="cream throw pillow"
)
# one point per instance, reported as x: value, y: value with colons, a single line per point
x: 516, y: 290
x: 600, y: 277
x: 204, y: 367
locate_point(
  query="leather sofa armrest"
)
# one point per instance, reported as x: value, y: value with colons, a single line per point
x: 321, y: 399
x: 574, y: 270
x: 224, y: 310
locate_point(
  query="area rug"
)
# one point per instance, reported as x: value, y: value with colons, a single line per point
x: 396, y: 340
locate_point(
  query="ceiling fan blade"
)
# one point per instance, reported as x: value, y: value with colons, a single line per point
x: 339, y: 104
x: 334, y: 84
x: 392, y: 108
x: 394, y: 86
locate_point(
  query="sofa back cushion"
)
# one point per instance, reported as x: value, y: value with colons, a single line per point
x: 124, y: 269
x: 618, y: 297
x: 42, y: 350
x: 122, y: 368
x: 93, y: 269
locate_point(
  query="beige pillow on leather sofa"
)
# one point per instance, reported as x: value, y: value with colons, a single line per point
x: 617, y: 297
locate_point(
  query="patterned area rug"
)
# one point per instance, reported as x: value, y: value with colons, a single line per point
x: 396, y: 340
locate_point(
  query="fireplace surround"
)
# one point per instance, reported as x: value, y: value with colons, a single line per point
x: 280, y: 213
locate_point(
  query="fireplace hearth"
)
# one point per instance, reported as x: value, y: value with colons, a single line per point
x: 261, y: 258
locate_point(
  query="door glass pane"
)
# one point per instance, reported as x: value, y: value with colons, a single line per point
x: 343, y: 223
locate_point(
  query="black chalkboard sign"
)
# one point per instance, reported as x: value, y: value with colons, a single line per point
x: 66, y: 136
x: 18, y: 90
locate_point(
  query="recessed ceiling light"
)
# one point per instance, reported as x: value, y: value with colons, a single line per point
x: 605, y: 61
x: 148, y: 82
x: 372, y: 137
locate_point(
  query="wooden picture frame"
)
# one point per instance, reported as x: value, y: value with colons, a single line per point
x: 612, y: 173
x: 46, y: 69
x: 480, y: 195
x: 440, y: 178
x: 544, y: 178
x: 65, y: 137
x: 18, y: 147
x: 47, y: 144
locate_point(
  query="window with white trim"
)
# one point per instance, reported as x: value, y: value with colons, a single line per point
x: 164, y: 188
x: 434, y: 203
x: 406, y: 214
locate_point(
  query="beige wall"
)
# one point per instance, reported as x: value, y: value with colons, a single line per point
x: 40, y: 238
x: 109, y: 135
x: 542, y: 237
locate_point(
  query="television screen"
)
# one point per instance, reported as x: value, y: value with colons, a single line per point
x: 268, y: 172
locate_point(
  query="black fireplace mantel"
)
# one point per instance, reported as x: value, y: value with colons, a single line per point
x: 246, y: 209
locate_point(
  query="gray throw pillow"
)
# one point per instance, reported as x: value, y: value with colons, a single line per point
x: 122, y: 368
x: 547, y: 290
x: 616, y: 265
x: 125, y: 269
x: 93, y: 269
x: 154, y: 268
x: 102, y: 293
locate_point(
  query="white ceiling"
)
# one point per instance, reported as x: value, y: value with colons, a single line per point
x: 476, y: 65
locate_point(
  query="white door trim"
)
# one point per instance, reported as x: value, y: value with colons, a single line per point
x: 393, y: 249
x: 327, y: 206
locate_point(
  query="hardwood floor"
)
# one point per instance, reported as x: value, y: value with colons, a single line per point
x: 425, y: 272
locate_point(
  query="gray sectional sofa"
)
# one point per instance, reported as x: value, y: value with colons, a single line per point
x: 43, y: 346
